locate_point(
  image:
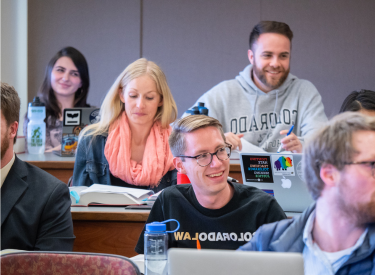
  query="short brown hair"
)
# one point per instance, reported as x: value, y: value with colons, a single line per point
x: 10, y: 104
x: 332, y: 144
x: 189, y: 124
x: 269, y: 27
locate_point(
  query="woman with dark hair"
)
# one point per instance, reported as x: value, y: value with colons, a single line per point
x: 360, y: 101
x: 66, y: 85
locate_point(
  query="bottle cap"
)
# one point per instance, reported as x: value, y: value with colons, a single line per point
x: 195, y: 110
x: 204, y: 111
x: 36, y: 102
x: 156, y: 227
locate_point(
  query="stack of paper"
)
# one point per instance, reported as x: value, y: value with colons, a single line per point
x: 107, y: 194
x: 247, y: 147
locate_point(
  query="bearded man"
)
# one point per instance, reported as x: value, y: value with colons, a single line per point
x: 336, y: 235
x: 263, y: 102
x: 35, y: 206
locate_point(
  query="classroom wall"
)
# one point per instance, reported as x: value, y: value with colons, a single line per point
x: 201, y: 43
x: 13, y: 49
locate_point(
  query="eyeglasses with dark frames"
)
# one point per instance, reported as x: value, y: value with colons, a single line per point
x: 368, y: 163
x: 205, y: 159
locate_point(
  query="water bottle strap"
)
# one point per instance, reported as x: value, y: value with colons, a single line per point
x: 172, y: 220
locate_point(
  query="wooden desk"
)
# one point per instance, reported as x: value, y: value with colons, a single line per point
x: 112, y: 230
x: 62, y: 167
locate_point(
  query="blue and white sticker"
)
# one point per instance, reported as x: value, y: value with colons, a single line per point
x: 94, y: 116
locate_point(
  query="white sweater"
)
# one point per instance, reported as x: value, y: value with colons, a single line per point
x: 242, y: 108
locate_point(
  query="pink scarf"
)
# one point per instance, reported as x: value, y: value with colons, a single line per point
x: 157, y: 158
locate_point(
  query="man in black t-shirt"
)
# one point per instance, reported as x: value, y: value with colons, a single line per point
x: 212, y: 212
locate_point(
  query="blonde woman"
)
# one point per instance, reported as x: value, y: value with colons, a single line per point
x: 129, y: 145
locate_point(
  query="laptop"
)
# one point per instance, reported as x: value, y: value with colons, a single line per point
x: 278, y: 174
x: 223, y: 262
x: 74, y: 120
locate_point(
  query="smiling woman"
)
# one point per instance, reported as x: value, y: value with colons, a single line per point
x: 65, y: 85
x: 129, y: 145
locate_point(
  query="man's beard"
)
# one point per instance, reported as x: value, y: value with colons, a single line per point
x: 262, y: 77
x: 4, y: 144
x: 361, y: 213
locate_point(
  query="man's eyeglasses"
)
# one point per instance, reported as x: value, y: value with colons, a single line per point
x: 205, y: 159
x: 367, y: 163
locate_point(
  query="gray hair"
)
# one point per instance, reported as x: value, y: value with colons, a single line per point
x: 332, y: 144
x: 189, y: 124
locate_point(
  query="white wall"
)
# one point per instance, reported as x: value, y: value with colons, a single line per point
x: 13, y: 49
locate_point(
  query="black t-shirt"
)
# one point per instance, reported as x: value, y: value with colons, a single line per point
x: 227, y: 228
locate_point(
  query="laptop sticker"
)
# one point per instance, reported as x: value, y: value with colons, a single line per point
x: 283, y: 165
x: 94, y: 116
x: 69, y: 144
x: 286, y: 183
x: 72, y: 117
x: 269, y: 192
x: 258, y: 169
x: 300, y: 171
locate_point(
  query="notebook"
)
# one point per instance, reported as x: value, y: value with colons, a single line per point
x: 278, y: 174
x: 224, y: 262
x: 74, y: 120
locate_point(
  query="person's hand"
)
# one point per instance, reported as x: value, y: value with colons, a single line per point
x: 57, y: 148
x: 291, y: 143
x: 235, y: 140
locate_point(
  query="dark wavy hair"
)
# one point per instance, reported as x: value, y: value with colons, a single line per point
x: 358, y: 100
x: 269, y: 27
x: 46, y: 92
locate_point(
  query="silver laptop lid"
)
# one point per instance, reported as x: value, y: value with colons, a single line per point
x: 224, y: 262
x: 279, y: 175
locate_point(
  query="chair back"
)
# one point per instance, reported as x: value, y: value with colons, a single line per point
x: 73, y: 263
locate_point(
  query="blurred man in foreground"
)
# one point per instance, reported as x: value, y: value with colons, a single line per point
x: 337, y: 233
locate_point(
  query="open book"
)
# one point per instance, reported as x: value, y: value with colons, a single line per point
x: 107, y: 194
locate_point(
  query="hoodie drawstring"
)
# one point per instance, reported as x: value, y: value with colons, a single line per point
x: 274, y: 111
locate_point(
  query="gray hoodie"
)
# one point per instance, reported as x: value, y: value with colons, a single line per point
x: 242, y: 108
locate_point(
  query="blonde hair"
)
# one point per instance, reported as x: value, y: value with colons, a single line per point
x: 112, y: 107
x: 189, y: 124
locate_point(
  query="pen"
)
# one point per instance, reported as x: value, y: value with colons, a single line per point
x: 290, y: 130
x: 232, y: 179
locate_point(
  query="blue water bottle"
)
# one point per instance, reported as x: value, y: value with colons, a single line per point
x: 202, y: 110
x: 198, y: 110
x: 156, y: 246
